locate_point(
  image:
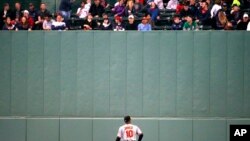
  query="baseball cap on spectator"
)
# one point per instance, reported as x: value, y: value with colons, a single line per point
x: 245, y: 15
x: 235, y: 5
x: 26, y: 11
x: 224, y: 4
x: 131, y: 17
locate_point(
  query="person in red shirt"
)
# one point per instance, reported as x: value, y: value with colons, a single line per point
x: 30, y: 20
x: 179, y: 7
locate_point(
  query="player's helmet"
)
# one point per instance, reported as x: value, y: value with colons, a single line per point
x: 127, y: 119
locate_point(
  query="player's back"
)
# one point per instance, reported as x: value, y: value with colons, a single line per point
x: 128, y: 132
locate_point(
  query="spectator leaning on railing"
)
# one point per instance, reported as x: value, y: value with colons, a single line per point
x: 242, y: 24
x: 40, y: 16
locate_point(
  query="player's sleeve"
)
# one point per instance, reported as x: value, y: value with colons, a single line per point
x: 138, y: 131
x: 119, y: 134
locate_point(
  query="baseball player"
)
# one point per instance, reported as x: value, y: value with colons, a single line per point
x: 128, y: 131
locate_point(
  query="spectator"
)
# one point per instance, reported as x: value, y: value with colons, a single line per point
x: 172, y: 4
x: 236, y: 2
x: 96, y: 10
x: 149, y: 20
x: 88, y: 4
x: 17, y: 13
x: 9, y: 25
x: 177, y: 23
x: 4, y: 14
x: 192, y: 7
x: 65, y: 8
x: 118, y: 25
x: 203, y: 15
x: 144, y: 25
x: 47, y: 23
x: 131, y: 25
x: 83, y: 11
x: 106, y: 25
x: 159, y: 4
x: 130, y: 8
x: 41, y: 14
x: 89, y: 23
x: 216, y: 7
x: 154, y: 12
x: 234, y: 16
x: 23, y: 24
x: 226, y: 8
x: 190, y: 24
x: 138, y: 6
x: 185, y: 11
x: 32, y: 11
x: 242, y: 24
x: 119, y: 9
x: 210, y: 4
x: 179, y: 7
x: 29, y: 18
x: 221, y: 20
x: 104, y: 3
x: 58, y: 24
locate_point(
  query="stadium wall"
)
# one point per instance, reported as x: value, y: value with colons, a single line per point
x: 76, y: 85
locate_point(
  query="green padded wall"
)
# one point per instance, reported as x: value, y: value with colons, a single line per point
x: 110, y: 74
x: 105, y: 129
x: 69, y: 86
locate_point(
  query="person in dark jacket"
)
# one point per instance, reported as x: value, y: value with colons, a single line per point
x: 89, y: 23
x: 106, y: 24
x: 177, y: 24
x: 96, y: 10
x: 242, y: 24
x: 65, y: 8
x: 4, y: 14
x: 32, y: 11
x: 17, y: 13
x: 185, y: 11
x: 131, y: 25
x: 40, y: 16
x: 203, y: 14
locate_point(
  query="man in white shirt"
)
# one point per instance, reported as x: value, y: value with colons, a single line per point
x: 83, y: 11
x: 159, y: 3
x: 216, y: 7
x: 128, y: 131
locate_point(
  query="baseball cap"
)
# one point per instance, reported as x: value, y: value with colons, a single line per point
x: 131, y: 17
x: 127, y: 119
x: 245, y: 15
x: 26, y: 11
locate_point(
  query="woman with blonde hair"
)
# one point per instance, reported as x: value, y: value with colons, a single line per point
x: 130, y: 8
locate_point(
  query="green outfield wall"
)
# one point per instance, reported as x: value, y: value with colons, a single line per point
x: 77, y: 85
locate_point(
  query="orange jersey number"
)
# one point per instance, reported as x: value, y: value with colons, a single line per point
x: 129, y: 133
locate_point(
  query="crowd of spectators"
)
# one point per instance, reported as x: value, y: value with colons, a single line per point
x: 141, y: 15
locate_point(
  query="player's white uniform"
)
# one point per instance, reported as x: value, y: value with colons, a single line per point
x: 128, y: 132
